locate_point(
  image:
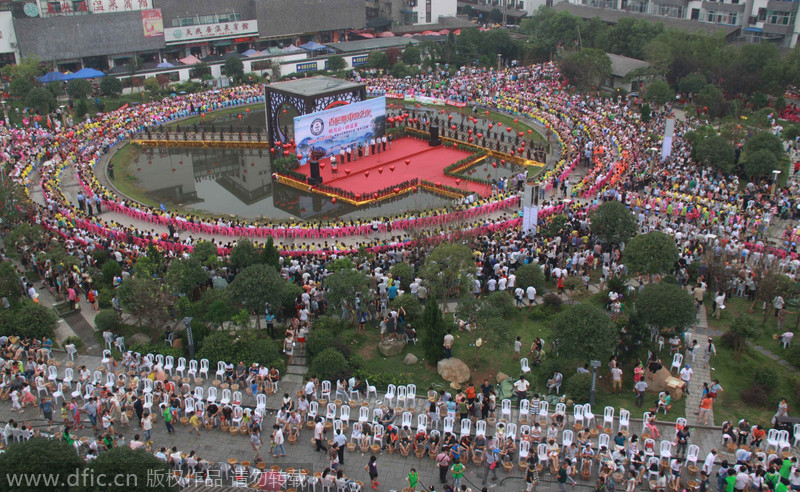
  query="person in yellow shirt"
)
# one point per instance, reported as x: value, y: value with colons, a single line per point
x: 194, y: 423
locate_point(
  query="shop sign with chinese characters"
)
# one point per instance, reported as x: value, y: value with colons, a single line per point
x: 211, y: 31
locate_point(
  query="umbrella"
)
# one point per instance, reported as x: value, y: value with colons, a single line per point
x: 444, y: 32
x: 165, y: 65
x: 386, y: 34
x: 251, y: 52
x: 190, y: 60
x: 408, y: 35
x: 365, y: 35
x: 429, y: 33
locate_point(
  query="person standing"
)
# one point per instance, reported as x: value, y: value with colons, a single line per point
x: 705, y: 409
x: 147, y: 426
x: 639, y: 388
x: 492, y: 462
x: 686, y: 377
x: 448, y: 344
x: 443, y: 460
x: 319, y: 435
x: 167, y: 414
x: 710, y: 350
x: 255, y: 439
x: 458, y: 470
x: 412, y: 479
x: 341, y: 441
x: 46, y: 405
x: 616, y: 379
x: 372, y: 469
x: 563, y: 476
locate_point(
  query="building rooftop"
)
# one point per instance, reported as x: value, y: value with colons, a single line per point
x: 612, y: 16
x: 371, y: 44
x: 314, y: 86
x: 622, y: 65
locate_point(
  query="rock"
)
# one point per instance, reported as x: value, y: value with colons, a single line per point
x: 501, y: 376
x: 138, y: 339
x: 391, y: 347
x: 453, y: 370
x: 410, y: 359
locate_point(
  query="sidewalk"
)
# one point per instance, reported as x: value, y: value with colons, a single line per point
x: 701, y: 374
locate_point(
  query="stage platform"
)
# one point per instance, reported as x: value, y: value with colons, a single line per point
x: 380, y: 171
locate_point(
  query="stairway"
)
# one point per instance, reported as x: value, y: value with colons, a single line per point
x: 296, y: 372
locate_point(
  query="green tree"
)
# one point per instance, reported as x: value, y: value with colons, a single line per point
x: 743, y: 329
x: 666, y: 306
x: 692, y: 83
x: 34, y: 320
x: 658, y: 92
x: 399, y: 70
x: 136, y: 468
x: 342, y: 289
x: 9, y: 282
x: 714, y: 151
x: 111, y: 86
x: 144, y: 298
x: 243, y: 254
x: 448, y: 270
x: 270, y: 255
x: 40, y: 457
x: 152, y: 86
x: 377, y: 59
x: 40, y: 100
x: 185, y: 275
x: 530, y: 274
x: 613, y: 222
x: 402, y: 272
x: 79, y: 88
x: 759, y: 164
x: 651, y: 253
x: 22, y: 76
x: 586, y: 68
x: 336, y: 63
x: 711, y: 97
x: 432, y: 331
x: 411, y: 55
x: 551, y: 31
x: 646, y: 112
x: 329, y: 364
x: 234, y: 68
x: 205, y: 252
x: 495, y: 16
x: 255, y: 287
x: 765, y: 141
x: 629, y: 37
x: 586, y: 332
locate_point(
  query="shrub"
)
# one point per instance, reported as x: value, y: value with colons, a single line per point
x: 552, y: 300
x: 727, y: 340
x: 34, y: 320
x: 404, y: 273
x: 104, y: 297
x: 332, y: 324
x: 411, y: 306
x: 578, y: 386
x: 106, y: 320
x: 77, y: 341
x: 329, y: 364
x: 766, y: 377
x: 756, y: 395
x: 793, y: 355
x: 317, y: 341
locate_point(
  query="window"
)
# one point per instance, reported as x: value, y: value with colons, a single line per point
x: 780, y: 18
x: 428, y: 13
x: 762, y: 14
x: 206, y: 19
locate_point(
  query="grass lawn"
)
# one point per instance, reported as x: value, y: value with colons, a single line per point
x: 740, y: 305
x: 213, y: 115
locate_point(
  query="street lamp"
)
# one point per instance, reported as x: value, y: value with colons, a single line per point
x: 595, y: 365
x: 775, y: 175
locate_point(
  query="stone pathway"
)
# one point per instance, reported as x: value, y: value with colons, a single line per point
x: 777, y: 358
x: 701, y: 374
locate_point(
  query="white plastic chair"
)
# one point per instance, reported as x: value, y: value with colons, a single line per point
x: 783, y: 441
x: 566, y: 438
x: 211, y: 397
x: 577, y: 414
x: 466, y: 427
x: 405, y: 420
x: 363, y: 414
x: 449, y: 423
x: 377, y: 434
x: 480, y: 428
x: 238, y: 415
x: 192, y: 372
x: 523, y: 410
x: 77, y: 393
x: 561, y: 408
x: 354, y: 394
x: 541, y: 453
x: 390, y: 394
x: 330, y: 412
x: 796, y: 434
x: 377, y: 415
x: 181, y: 367
x: 344, y: 414
x: 40, y: 387
x: 524, y: 451
x: 511, y: 431
x: 199, y: 392
x: 411, y: 395
x: 588, y: 416
x: 220, y: 374
x: 523, y: 365
x: 68, y: 377
x: 422, y: 423
x: 325, y: 390
x: 237, y: 398
x: 660, y: 343
x: 111, y: 380
x: 505, y: 409
x: 624, y: 421
x: 603, y: 441
x: 97, y: 378
x: 608, y: 417
x: 680, y: 422
x: 371, y: 389
x: 204, y: 368
x: 665, y: 450
x: 356, y: 433
x: 645, y: 418
x: 148, y: 402
x: 692, y: 454
x: 652, y: 471
x: 261, y: 401
x: 677, y: 361
x: 106, y: 358
x: 52, y: 373
x: 160, y: 360
x: 401, y: 396
x: 225, y: 399
x: 58, y: 393
x: 72, y: 351
x: 169, y: 364
x: 544, y: 410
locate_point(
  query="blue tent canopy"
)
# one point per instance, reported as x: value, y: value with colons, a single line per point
x: 314, y: 46
x: 250, y: 52
x: 53, y: 76
x: 86, y: 73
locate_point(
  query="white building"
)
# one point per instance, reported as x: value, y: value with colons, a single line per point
x: 411, y: 12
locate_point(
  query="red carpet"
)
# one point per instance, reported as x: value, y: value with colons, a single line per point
x: 427, y: 163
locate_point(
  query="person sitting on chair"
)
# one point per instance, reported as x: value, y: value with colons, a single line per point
x: 554, y: 383
x: 411, y: 335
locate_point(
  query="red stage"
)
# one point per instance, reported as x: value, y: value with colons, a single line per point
x: 389, y: 168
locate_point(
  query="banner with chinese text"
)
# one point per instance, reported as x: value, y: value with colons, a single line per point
x: 331, y: 130
x: 152, y: 23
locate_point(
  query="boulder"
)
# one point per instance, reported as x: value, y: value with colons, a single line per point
x: 410, y: 359
x: 453, y: 370
x: 138, y: 339
x: 391, y: 347
x: 501, y: 376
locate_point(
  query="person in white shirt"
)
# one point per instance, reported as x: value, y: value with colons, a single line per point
x: 708, y: 464
x: 491, y: 285
x: 530, y: 293
x: 686, y: 376
x: 502, y: 283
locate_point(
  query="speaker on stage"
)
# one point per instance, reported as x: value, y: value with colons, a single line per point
x: 435, y: 140
x: 315, y: 178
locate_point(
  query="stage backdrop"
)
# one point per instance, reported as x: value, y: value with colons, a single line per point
x: 336, y: 128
